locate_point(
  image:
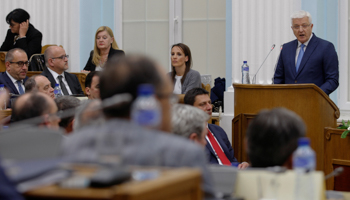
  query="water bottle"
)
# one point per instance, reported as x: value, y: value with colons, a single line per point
x: 57, y: 91
x: 2, y: 104
x: 145, y: 110
x: 245, y: 73
x: 304, y: 163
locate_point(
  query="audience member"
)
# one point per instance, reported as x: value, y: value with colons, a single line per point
x: 21, y: 34
x: 105, y: 47
x: 88, y: 113
x: 190, y: 122
x: 56, y: 61
x: 272, y: 137
x: 36, y: 104
x: 7, y: 189
x: 65, y: 103
x: 15, y: 76
x: 184, y: 78
x: 134, y: 144
x: 41, y: 84
x: 92, y: 85
x: 218, y: 148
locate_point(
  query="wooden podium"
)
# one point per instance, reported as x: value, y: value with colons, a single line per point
x: 307, y: 100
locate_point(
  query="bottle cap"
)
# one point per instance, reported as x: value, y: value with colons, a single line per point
x: 303, y: 141
x: 2, y: 85
x: 145, y: 89
x: 57, y: 84
x: 244, y: 62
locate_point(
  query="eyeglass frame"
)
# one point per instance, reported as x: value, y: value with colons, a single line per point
x: 304, y: 26
x: 21, y: 63
x: 61, y: 57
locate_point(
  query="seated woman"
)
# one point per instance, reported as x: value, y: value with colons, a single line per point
x: 21, y: 34
x: 183, y: 76
x: 105, y: 47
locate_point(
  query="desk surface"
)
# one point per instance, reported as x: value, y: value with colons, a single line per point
x: 173, y: 184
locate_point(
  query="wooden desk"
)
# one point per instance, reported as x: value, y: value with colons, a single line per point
x: 174, y: 184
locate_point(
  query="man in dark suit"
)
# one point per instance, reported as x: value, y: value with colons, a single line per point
x: 218, y: 147
x: 21, y: 34
x: 56, y: 62
x: 14, y: 77
x: 308, y: 59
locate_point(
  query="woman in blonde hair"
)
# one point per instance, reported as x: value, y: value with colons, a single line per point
x: 105, y: 47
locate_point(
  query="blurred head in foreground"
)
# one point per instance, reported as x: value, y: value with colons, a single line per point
x: 272, y: 137
x: 124, y: 75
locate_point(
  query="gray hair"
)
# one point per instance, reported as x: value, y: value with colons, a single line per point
x: 48, y: 54
x: 301, y: 14
x: 88, y: 113
x: 188, y: 119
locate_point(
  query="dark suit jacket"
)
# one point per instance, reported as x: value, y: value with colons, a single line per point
x: 91, y: 67
x: 4, y: 79
x: 319, y: 65
x: 72, y: 81
x: 7, y: 189
x: 31, y: 44
x: 225, y: 144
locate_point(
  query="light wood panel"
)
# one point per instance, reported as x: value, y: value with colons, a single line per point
x: 307, y: 100
x: 173, y: 184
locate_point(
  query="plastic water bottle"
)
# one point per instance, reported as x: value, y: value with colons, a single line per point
x: 146, y: 109
x: 245, y: 73
x: 304, y: 163
x: 57, y: 91
x: 2, y: 104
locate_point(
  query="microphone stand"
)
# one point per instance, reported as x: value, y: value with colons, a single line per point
x: 254, y: 77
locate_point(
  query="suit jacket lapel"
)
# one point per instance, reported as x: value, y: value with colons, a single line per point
x: 308, y: 52
x: 48, y: 74
x: 292, y: 56
x: 70, y: 82
x: 10, y: 83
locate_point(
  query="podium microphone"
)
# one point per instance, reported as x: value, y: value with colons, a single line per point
x: 274, y: 70
x: 334, y: 173
x: 254, y: 78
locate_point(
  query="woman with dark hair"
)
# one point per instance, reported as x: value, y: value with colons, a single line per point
x: 183, y: 76
x: 105, y: 47
x: 21, y: 34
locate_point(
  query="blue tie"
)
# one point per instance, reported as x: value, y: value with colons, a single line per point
x: 20, y: 89
x: 300, y: 56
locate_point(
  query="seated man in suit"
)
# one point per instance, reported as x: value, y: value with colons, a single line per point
x: 190, y: 122
x: 15, y: 76
x: 272, y: 137
x: 56, y: 61
x: 308, y: 59
x: 218, y: 148
x: 41, y: 84
x: 36, y: 104
x: 92, y: 85
x: 134, y: 144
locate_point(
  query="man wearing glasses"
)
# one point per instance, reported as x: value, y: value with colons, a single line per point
x: 14, y: 77
x: 308, y: 59
x: 56, y: 61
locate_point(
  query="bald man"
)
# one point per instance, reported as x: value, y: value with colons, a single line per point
x: 36, y: 104
x: 41, y: 84
x: 56, y: 61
